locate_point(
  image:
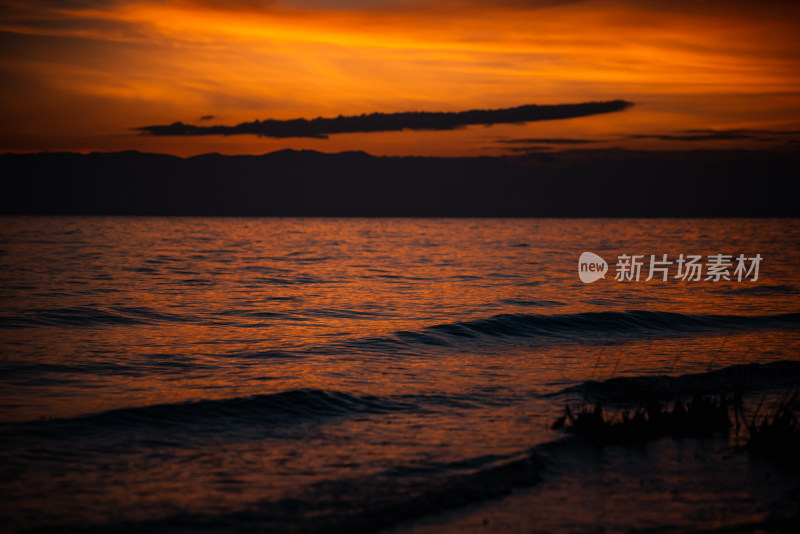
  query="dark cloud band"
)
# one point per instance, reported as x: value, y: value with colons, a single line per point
x: 546, y: 141
x: 391, y: 122
x: 721, y: 135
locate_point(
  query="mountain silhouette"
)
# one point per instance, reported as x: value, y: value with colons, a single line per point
x: 577, y: 183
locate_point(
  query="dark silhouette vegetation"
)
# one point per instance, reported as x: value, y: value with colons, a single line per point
x: 703, y: 415
x: 775, y: 433
x: 770, y: 433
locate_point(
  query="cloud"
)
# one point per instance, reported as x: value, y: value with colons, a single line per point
x: 719, y: 135
x: 391, y: 122
x: 551, y: 141
x: 230, y: 5
x: 422, y: 5
x: 530, y: 149
x: 58, y: 4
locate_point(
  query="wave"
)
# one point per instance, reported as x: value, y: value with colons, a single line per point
x: 375, y: 502
x: 743, y: 378
x: 276, y: 409
x: 587, y: 326
x: 358, y: 504
x: 762, y: 290
x: 264, y: 355
x: 82, y: 316
x: 370, y: 503
x: 575, y: 326
x: 532, y: 303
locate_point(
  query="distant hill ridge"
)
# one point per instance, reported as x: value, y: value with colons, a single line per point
x: 576, y: 183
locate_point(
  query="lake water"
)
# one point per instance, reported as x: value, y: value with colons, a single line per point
x: 321, y: 374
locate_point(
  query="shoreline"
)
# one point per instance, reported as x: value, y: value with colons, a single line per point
x: 664, y: 485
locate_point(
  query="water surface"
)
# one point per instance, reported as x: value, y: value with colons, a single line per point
x: 267, y: 372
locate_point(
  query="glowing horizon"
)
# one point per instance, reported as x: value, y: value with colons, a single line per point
x: 82, y: 75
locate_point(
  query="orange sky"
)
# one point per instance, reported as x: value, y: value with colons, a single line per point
x: 80, y: 74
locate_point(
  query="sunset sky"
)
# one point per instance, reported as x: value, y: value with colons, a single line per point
x: 83, y: 75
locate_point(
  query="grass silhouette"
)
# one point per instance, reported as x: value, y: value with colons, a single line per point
x: 703, y: 415
x: 776, y: 433
x: 772, y: 433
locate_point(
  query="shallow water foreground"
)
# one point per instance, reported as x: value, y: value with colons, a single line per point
x: 346, y: 375
x: 664, y: 486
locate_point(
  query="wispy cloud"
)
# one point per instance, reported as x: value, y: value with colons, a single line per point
x: 720, y: 135
x: 390, y: 122
x: 546, y: 141
x: 530, y: 149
